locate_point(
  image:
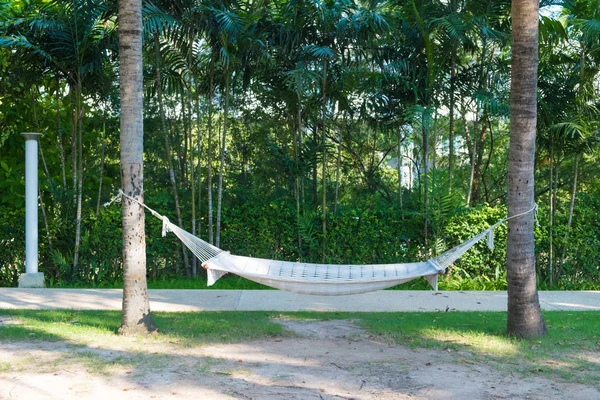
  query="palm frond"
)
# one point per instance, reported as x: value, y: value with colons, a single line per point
x: 156, y: 20
x: 20, y: 41
x: 319, y: 51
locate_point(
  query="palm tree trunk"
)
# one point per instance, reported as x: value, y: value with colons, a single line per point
x: 472, y: 148
x: 524, y: 314
x: 136, y: 308
x: 222, y: 159
x: 554, y: 207
x: 61, y: 149
x: 315, y: 170
x: 324, y: 160
x: 45, y: 165
x: 74, y: 142
x: 199, y: 150
x: 478, y: 150
x: 400, y: 171
x: 45, y: 218
x: 297, y: 189
x: 186, y: 98
x: 451, y: 122
x: 79, y: 109
x: 425, y: 145
x: 102, y: 161
x: 210, y: 151
x: 42, y: 206
x: 165, y: 135
x: 570, y: 220
x: 551, y: 214
x: 185, y: 119
x: 338, y: 164
x: 193, y: 183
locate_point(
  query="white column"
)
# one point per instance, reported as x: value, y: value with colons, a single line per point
x: 31, y: 277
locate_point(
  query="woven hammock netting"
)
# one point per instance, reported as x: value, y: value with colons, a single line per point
x: 319, y: 279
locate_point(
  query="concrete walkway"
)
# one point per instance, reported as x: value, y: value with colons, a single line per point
x: 274, y: 300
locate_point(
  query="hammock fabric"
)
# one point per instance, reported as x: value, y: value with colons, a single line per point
x: 319, y: 279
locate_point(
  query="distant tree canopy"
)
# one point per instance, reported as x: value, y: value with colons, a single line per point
x: 345, y: 131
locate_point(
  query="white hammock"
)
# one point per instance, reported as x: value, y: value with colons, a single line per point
x: 319, y: 279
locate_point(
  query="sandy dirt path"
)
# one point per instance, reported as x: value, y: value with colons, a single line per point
x: 325, y: 360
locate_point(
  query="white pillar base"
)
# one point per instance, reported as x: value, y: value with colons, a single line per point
x: 31, y: 280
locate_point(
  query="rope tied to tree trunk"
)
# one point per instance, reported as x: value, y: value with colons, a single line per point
x: 490, y: 235
x: 322, y: 279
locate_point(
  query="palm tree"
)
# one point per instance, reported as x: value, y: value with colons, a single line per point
x: 231, y: 27
x: 157, y: 22
x: 70, y: 39
x: 136, y: 308
x: 220, y: 29
x: 524, y: 314
x: 454, y: 31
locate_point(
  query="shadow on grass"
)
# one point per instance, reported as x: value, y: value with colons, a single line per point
x: 205, y: 327
x: 571, y: 350
x: 156, y: 364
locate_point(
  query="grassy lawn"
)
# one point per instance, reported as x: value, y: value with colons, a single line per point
x: 570, y: 351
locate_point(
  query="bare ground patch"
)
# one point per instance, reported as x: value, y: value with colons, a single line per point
x: 7, y: 320
x: 326, y: 360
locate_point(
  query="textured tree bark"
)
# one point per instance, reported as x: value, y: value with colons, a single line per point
x: 524, y: 314
x: 136, y: 308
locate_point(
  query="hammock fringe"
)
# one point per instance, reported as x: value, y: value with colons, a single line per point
x: 319, y: 279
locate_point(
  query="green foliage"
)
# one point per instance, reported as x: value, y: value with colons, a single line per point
x: 384, y: 94
x: 581, y: 270
x: 267, y: 229
x: 480, y: 268
x: 12, y: 246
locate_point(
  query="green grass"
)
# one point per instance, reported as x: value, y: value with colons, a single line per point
x: 474, y: 337
x: 86, y: 326
x: 562, y: 353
